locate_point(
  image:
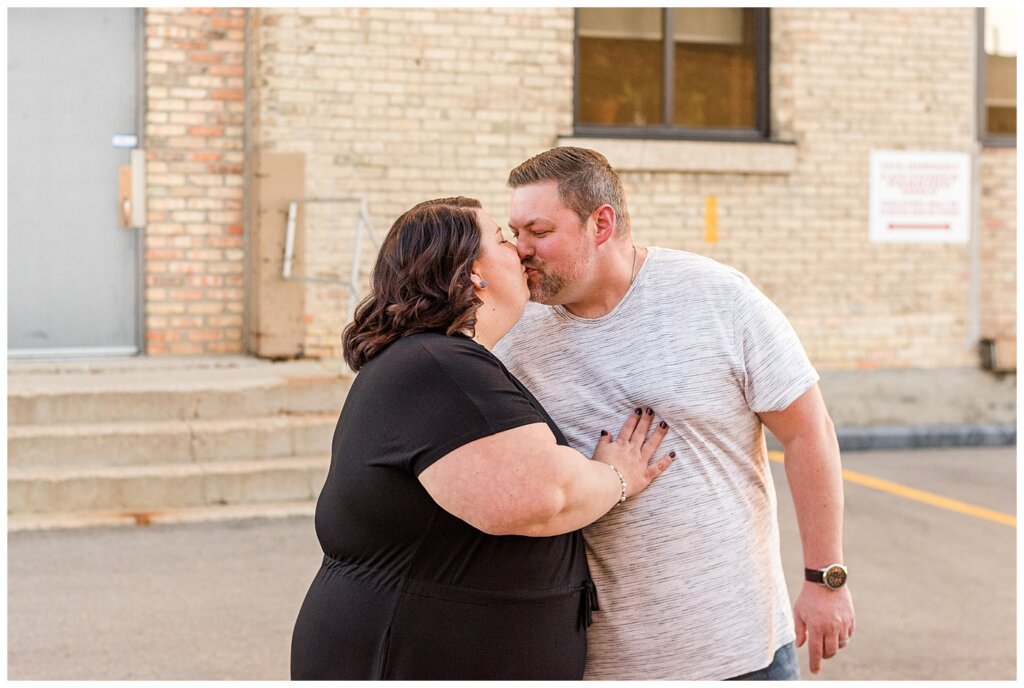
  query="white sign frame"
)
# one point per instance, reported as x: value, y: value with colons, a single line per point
x: 920, y: 197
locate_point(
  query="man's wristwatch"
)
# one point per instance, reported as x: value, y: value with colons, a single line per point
x: 832, y: 577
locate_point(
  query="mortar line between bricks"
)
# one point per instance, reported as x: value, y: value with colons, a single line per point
x: 916, y: 495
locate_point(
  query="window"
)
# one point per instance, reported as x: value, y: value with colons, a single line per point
x: 997, y: 78
x: 674, y: 73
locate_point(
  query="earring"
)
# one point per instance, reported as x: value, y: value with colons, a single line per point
x: 483, y: 284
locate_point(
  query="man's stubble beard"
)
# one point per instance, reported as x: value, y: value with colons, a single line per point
x: 545, y: 286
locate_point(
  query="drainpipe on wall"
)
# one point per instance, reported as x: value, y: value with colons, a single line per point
x: 141, y: 329
x: 247, y: 168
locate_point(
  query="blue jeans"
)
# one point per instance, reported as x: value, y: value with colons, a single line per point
x: 783, y: 668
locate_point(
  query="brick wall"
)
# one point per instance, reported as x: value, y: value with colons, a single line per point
x: 402, y: 105
x: 999, y: 243
x: 844, y: 82
x: 194, y: 140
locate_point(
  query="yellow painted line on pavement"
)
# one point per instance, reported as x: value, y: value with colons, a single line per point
x: 920, y: 496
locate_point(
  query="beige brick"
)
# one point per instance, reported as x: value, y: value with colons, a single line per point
x: 205, y: 308
x: 386, y: 106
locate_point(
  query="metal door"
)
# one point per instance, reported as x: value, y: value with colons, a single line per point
x: 72, y: 272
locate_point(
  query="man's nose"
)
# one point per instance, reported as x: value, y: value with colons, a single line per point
x: 523, y: 247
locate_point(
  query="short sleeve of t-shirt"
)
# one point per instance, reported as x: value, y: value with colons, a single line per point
x: 775, y: 365
x: 443, y: 392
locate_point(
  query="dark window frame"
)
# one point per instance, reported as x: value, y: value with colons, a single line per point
x: 761, y: 131
x: 987, y: 140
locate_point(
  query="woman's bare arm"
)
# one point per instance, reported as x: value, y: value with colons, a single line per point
x: 521, y: 482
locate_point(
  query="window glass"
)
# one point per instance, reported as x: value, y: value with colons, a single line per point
x: 620, y: 74
x: 715, y: 67
x: 1000, y: 97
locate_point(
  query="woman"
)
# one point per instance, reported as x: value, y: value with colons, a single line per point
x: 450, y: 516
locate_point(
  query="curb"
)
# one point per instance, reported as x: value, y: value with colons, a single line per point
x: 919, y: 437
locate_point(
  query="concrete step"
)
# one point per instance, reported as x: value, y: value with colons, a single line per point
x: 41, y: 396
x: 94, y: 445
x: 165, y: 440
x: 138, y: 490
x: 192, y: 514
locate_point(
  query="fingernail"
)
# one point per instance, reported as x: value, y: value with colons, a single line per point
x: 603, y: 433
x: 650, y: 411
x: 638, y: 411
x: 672, y: 455
x: 662, y: 425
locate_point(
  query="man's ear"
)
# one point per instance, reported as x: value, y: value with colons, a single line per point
x: 604, y: 221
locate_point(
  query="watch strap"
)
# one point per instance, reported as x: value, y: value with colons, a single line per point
x: 814, y: 575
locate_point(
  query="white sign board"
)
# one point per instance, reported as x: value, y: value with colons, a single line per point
x: 920, y: 197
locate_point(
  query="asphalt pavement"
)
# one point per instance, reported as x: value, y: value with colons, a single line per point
x: 934, y: 583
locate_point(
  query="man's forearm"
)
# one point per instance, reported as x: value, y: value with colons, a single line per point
x: 815, y: 478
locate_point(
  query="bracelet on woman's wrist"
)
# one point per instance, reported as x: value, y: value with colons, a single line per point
x: 622, y: 483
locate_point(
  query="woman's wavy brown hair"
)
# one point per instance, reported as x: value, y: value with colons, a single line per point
x: 421, y: 280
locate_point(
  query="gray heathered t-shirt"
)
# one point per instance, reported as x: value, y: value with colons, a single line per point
x: 688, y: 573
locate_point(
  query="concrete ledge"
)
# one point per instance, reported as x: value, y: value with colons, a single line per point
x: 864, y: 439
x: 187, y: 365
x: 723, y: 157
x: 96, y: 445
x: 168, y: 487
x: 920, y: 398
x: 919, y: 437
x: 158, y: 390
x: 93, y: 519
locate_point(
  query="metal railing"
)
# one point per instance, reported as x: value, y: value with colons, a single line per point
x: 363, y: 226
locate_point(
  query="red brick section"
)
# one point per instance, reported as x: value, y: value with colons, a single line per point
x: 194, y: 141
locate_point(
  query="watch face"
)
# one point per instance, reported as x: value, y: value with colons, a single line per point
x: 834, y: 577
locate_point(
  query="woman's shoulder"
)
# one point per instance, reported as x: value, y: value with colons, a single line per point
x: 438, y: 342
x: 439, y: 366
x: 433, y: 348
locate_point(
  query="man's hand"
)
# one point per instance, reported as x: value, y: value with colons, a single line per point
x: 824, y: 619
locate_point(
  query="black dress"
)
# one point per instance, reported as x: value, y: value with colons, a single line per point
x: 406, y: 590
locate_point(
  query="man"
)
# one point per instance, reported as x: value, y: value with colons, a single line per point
x: 689, y: 575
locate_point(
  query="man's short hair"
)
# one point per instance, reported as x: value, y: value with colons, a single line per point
x: 585, y: 181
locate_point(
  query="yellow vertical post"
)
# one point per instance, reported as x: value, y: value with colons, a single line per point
x: 711, y: 220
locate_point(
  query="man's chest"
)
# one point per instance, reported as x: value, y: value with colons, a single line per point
x: 587, y: 387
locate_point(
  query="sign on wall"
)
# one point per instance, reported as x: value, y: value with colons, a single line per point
x: 920, y: 197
